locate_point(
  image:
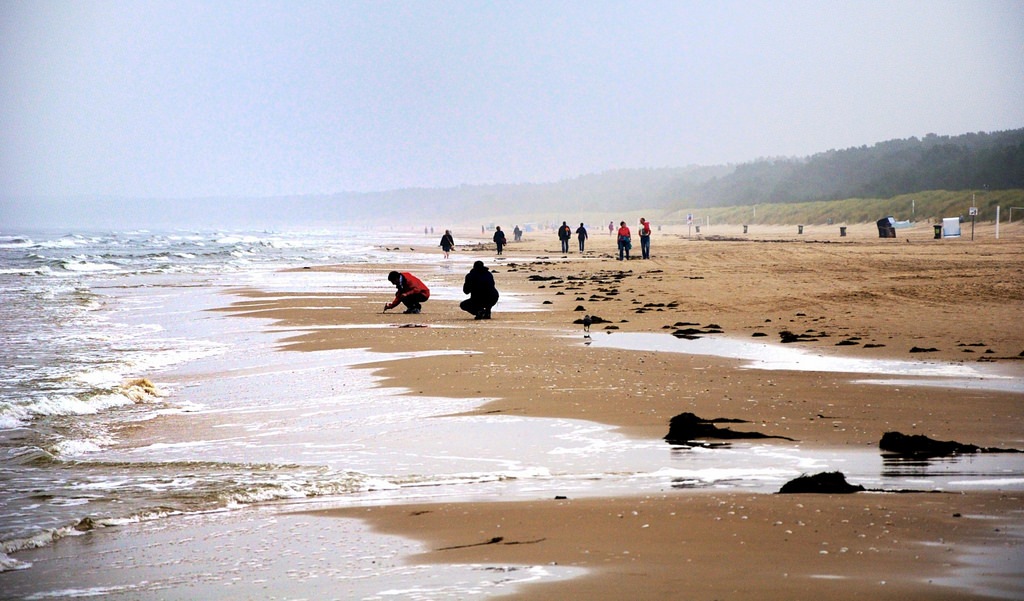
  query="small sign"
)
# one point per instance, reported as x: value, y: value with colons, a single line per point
x: 973, y: 212
x: 689, y: 219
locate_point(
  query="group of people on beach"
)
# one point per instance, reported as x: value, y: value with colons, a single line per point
x: 479, y: 282
x: 479, y: 285
x: 448, y: 242
x: 624, y: 238
x: 565, y: 234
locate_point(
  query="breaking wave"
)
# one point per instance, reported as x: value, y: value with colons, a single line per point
x: 14, y: 414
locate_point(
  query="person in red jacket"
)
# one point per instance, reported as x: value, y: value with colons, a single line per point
x: 411, y: 292
x: 625, y: 240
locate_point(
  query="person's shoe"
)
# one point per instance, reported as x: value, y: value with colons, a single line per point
x: 480, y: 315
x: 487, y: 313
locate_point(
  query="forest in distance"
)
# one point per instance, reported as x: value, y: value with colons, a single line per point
x: 935, y: 174
x: 986, y: 162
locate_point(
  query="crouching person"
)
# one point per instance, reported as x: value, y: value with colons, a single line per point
x: 483, y: 295
x: 411, y: 292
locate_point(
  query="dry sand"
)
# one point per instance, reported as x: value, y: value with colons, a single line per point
x: 962, y: 299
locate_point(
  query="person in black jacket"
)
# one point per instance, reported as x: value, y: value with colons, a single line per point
x: 581, y: 233
x: 483, y: 295
x: 564, y: 233
x: 447, y: 243
x: 499, y: 238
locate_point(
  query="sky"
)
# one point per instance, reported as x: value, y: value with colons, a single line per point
x: 183, y: 99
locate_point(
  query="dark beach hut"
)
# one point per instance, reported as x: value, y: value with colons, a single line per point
x: 886, y: 227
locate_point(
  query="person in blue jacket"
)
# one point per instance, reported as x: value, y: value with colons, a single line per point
x: 581, y: 233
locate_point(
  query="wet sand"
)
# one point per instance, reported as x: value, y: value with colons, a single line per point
x: 909, y: 298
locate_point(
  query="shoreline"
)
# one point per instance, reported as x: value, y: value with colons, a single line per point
x: 539, y: 374
x: 494, y: 411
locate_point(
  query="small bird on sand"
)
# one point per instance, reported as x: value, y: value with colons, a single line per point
x: 586, y: 323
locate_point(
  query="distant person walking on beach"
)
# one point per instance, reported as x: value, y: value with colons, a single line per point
x: 499, y: 238
x: 645, y: 238
x: 517, y: 234
x: 447, y: 243
x: 611, y: 227
x: 411, y: 292
x: 479, y: 285
x: 625, y: 240
x: 564, y: 233
x: 581, y: 233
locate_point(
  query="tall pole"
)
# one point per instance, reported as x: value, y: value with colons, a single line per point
x: 973, y: 217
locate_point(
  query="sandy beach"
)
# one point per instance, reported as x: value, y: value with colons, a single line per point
x: 912, y: 298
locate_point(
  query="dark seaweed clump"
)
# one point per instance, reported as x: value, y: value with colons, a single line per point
x: 687, y: 427
x: 828, y: 483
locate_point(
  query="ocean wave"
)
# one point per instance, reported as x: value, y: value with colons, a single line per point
x: 41, y: 270
x: 76, y: 448
x: 80, y: 527
x: 71, y: 241
x: 15, y: 414
x: 16, y: 242
x: 240, y: 239
x: 197, y: 487
x: 83, y: 266
x: 26, y: 456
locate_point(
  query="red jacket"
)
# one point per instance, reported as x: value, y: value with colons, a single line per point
x: 407, y: 286
x: 624, y: 232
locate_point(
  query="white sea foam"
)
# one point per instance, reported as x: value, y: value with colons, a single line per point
x: 63, y: 243
x: 86, y: 266
x: 13, y: 417
x: 77, y: 448
x: 60, y: 404
x: 15, y: 414
x: 8, y: 563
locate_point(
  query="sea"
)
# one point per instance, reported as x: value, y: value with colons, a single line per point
x: 131, y: 410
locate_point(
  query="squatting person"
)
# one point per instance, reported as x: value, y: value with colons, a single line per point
x: 411, y: 292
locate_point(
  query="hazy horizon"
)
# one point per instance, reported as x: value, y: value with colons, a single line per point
x: 151, y: 100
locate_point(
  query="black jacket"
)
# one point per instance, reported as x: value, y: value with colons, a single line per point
x: 479, y: 285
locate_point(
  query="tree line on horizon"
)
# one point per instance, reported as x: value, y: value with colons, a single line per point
x: 973, y: 161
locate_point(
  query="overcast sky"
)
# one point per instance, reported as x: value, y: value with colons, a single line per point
x: 185, y: 99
